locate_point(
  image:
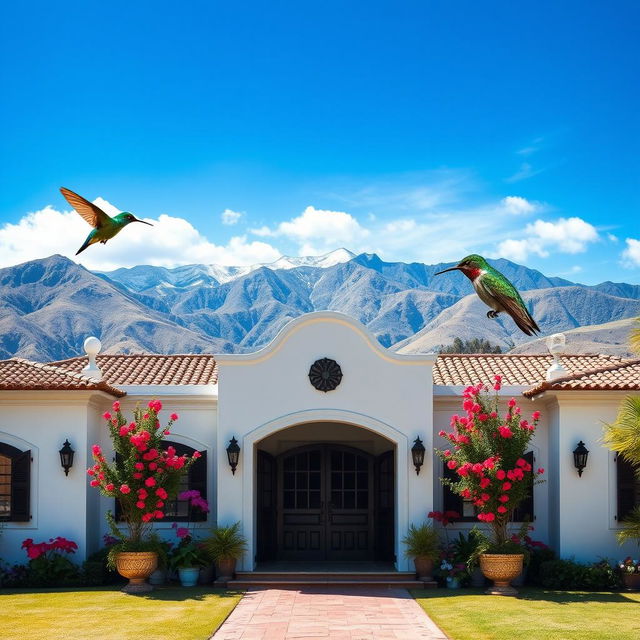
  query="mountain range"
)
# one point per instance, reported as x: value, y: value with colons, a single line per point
x: 49, y: 306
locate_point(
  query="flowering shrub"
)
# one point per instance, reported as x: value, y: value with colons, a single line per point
x: 144, y: 476
x: 487, y: 452
x: 47, y: 564
x: 629, y: 565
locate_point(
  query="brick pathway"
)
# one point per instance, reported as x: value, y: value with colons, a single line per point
x: 328, y: 612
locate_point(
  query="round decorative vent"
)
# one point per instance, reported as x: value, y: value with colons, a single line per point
x: 325, y: 374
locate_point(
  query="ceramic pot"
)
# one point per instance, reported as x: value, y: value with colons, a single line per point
x: 188, y: 576
x: 225, y: 569
x: 502, y: 568
x: 631, y: 581
x: 424, y: 568
x: 453, y: 583
x: 137, y: 566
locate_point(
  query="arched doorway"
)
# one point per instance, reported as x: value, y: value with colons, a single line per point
x: 325, y: 500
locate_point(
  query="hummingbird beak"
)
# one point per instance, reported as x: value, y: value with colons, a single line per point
x: 143, y: 222
x: 449, y: 269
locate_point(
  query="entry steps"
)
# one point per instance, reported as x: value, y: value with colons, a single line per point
x: 303, y: 579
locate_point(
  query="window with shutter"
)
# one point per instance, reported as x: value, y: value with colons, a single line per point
x: 195, y: 479
x: 15, y: 484
x: 628, y: 487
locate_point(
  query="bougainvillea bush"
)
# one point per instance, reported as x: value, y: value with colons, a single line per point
x: 486, y: 449
x: 144, y: 476
x: 49, y: 562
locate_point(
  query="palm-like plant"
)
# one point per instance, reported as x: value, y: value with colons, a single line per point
x: 630, y: 527
x: 226, y: 543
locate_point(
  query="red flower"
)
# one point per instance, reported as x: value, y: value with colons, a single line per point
x: 505, y: 432
x: 540, y: 470
x: 536, y: 415
x: 502, y: 509
x: 106, y: 415
x: 521, y: 462
x: 506, y: 486
x: 96, y: 450
x: 452, y: 464
x: 161, y: 493
x: 95, y: 483
x: 504, y: 498
x: 500, y: 474
x: 110, y: 487
x: 512, y: 402
x: 125, y: 489
x: 484, y: 483
x: 140, y: 504
x: 150, y: 482
x: 173, y: 417
x: 197, y: 454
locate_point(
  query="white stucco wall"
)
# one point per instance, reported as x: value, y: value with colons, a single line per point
x: 265, y: 392
x: 587, y: 505
x: 41, y: 421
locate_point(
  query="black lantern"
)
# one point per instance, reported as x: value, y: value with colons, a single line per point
x: 580, y: 455
x: 233, y: 453
x: 417, y: 453
x: 66, y: 457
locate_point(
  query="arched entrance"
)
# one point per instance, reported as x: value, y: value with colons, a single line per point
x: 325, y: 500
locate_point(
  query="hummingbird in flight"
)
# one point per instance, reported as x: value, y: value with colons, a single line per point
x: 104, y: 226
x: 495, y: 291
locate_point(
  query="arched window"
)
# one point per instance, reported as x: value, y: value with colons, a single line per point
x: 195, y: 479
x: 628, y: 487
x: 15, y: 484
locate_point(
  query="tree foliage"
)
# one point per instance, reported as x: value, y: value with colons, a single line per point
x: 475, y: 345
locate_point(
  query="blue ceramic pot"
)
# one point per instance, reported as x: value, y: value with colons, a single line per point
x: 189, y: 576
x: 453, y: 583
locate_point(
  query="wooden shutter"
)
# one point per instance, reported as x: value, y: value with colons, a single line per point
x: 628, y: 487
x: 525, y: 509
x: 21, y: 487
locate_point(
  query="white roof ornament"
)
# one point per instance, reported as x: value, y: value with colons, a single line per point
x: 556, y: 344
x: 92, y: 348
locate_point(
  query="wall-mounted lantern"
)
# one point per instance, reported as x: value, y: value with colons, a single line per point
x: 580, y: 455
x: 66, y: 457
x: 233, y: 453
x: 417, y: 453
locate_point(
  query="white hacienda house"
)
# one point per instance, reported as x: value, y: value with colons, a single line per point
x: 325, y: 419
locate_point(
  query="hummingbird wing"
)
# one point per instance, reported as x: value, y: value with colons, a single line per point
x: 94, y: 215
x: 507, y: 297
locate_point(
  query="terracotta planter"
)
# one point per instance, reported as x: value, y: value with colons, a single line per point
x: 502, y: 569
x: 631, y: 581
x: 137, y: 566
x: 225, y: 570
x: 424, y: 568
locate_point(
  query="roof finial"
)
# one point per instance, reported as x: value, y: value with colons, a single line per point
x: 92, y: 348
x: 555, y: 344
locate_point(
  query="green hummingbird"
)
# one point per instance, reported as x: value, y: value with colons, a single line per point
x: 104, y: 226
x: 495, y: 291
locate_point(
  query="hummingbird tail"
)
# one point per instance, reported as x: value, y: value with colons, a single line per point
x: 87, y: 242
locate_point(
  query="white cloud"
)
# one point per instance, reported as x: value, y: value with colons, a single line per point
x: 230, y: 217
x: 567, y: 235
x: 317, y: 231
x: 172, y: 241
x: 612, y: 238
x: 517, y: 205
x: 525, y: 171
x: 631, y: 255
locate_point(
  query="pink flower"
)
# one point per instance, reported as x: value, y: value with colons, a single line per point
x: 139, y: 466
x: 137, y: 475
x: 442, y: 433
x: 505, y: 432
x: 506, y: 486
x: 484, y: 496
x: 182, y: 532
x: 116, y: 406
x: 158, y: 514
x: 521, y: 462
x: 125, y: 489
x: 146, y: 517
x: 484, y: 483
x: 124, y: 430
x: 150, y: 482
x: 159, y: 503
x: 96, y: 450
x: 540, y: 470
x: 536, y: 415
x: 142, y: 494
x: 95, y: 483
x: 167, y: 432
x: 106, y: 415
x: 452, y: 464
x: 91, y: 472
x: 512, y: 402
x: 502, y: 509
x: 197, y: 454
x: 500, y: 474
x: 110, y: 487
x: 173, y: 417
x: 504, y: 498
x: 140, y: 504
x: 161, y: 493
x: 489, y: 517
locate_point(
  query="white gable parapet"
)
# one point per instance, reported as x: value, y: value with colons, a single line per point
x: 381, y: 391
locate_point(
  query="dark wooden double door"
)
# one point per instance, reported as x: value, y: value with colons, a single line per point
x: 331, y: 503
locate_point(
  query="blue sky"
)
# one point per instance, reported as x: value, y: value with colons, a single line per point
x: 418, y: 130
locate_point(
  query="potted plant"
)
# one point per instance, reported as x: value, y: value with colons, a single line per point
x: 487, y: 452
x: 630, y: 573
x: 189, y: 556
x: 423, y: 545
x: 225, y: 546
x: 630, y: 568
x: 143, y: 477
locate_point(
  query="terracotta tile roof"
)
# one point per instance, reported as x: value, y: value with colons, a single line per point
x: 19, y: 374
x: 150, y: 369
x: 515, y: 369
x: 623, y: 376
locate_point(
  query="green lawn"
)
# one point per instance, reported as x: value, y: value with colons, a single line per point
x: 537, y: 614
x: 105, y: 613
